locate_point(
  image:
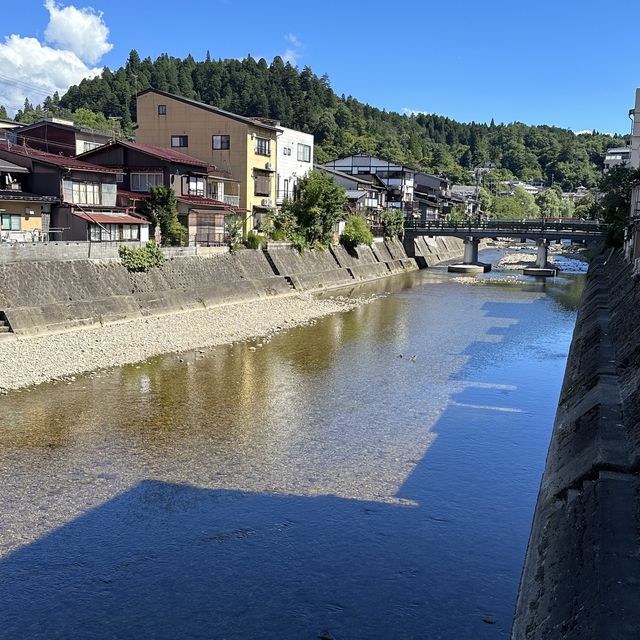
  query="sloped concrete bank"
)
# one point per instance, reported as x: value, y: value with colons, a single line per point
x: 52, y: 295
x: 429, y: 252
x: 581, y: 578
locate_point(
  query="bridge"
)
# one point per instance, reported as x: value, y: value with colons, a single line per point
x: 542, y: 231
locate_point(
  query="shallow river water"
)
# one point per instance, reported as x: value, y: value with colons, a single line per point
x: 372, y: 475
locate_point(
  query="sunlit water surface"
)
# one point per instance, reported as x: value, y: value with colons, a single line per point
x: 370, y: 476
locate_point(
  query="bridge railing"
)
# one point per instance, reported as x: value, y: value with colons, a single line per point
x: 511, y: 226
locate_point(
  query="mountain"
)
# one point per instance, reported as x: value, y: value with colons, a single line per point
x: 342, y: 125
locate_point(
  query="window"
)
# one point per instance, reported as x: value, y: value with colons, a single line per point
x: 221, y: 142
x: 86, y: 193
x: 119, y: 177
x: 130, y: 231
x: 286, y: 188
x: 179, y: 141
x: 304, y: 153
x: 194, y: 186
x: 113, y: 232
x: 262, y: 184
x: 143, y: 181
x: 286, y: 151
x: 87, y: 146
x: 263, y: 146
x: 10, y: 223
x: 162, y: 109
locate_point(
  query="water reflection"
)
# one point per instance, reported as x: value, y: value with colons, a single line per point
x: 340, y: 486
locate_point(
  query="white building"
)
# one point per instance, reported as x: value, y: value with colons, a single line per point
x: 399, y: 180
x: 295, y: 160
x: 616, y: 156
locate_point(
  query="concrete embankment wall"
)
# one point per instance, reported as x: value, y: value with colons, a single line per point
x: 582, y: 569
x: 48, y: 295
x: 429, y: 252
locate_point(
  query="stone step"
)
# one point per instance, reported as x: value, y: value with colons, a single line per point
x: 4, y: 328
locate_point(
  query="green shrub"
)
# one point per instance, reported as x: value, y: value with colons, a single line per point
x: 141, y: 258
x: 255, y: 240
x: 356, y: 232
x: 392, y: 222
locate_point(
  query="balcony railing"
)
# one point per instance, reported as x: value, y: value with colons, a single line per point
x: 233, y: 201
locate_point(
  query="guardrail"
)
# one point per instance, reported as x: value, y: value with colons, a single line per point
x: 511, y: 226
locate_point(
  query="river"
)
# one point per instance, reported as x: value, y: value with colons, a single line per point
x: 372, y: 475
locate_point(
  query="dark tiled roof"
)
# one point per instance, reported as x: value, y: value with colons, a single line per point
x: 162, y: 153
x: 21, y: 152
x: 68, y: 127
x: 12, y: 194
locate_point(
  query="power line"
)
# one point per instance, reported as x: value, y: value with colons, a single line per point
x: 24, y: 86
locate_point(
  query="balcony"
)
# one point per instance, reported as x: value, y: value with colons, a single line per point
x: 233, y: 201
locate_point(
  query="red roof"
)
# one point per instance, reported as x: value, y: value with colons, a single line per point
x: 207, y: 202
x: 65, y: 162
x: 133, y: 195
x: 157, y: 152
x: 109, y: 218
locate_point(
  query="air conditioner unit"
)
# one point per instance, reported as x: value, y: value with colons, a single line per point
x: 268, y: 166
x: 266, y: 202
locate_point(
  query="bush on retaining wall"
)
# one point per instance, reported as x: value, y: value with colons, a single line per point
x: 356, y: 232
x: 141, y: 258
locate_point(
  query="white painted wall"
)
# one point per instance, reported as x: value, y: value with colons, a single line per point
x: 288, y: 166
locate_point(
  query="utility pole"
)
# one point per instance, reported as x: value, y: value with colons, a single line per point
x: 115, y: 124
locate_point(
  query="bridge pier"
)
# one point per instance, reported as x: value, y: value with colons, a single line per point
x: 542, y: 260
x: 543, y: 253
x: 471, y: 250
x: 470, y: 262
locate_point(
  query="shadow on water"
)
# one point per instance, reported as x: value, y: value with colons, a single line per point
x: 170, y: 560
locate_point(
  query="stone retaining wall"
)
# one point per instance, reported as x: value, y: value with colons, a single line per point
x: 48, y: 295
x: 580, y: 579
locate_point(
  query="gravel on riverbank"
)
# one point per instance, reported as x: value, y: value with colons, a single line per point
x: 32, y: 360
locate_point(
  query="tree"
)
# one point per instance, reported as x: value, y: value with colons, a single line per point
x: 162, y: 208
x: 567, y: 208
x: 392, y: 221
x: 486, y: 199
x: 319, y: 205
x: 515, y: 207
x: 615, y: 206
x: 549, y: 203
x: 526, y: 202
x: 3, y: 112
x: 458, y: 214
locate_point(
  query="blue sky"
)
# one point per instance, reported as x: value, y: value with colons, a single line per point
x: 569, y: 63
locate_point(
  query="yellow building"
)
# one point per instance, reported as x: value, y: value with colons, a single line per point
x: 244, y: 147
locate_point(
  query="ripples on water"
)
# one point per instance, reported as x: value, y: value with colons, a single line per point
x: 370, y: 476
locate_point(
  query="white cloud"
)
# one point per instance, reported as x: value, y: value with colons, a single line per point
x: 293, y: 39
x: 29, y: 68
x: 290, y: 56
x: 293, y: 52
x: 414, y: 112
x: 82, y: 31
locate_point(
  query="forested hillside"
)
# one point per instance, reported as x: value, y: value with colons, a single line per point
x: 341, y: 125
